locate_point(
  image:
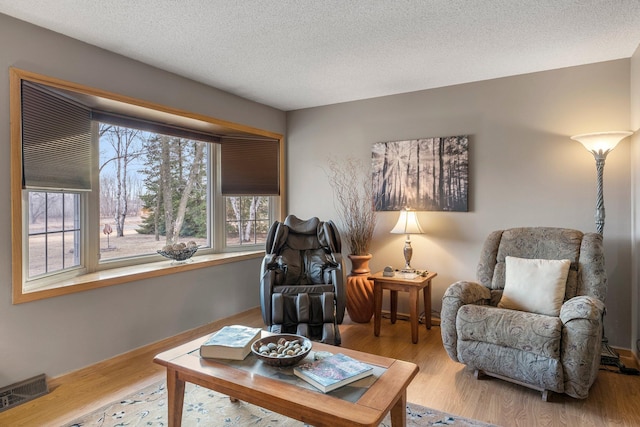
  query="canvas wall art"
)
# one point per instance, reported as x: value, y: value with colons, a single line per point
x: 428, y: 174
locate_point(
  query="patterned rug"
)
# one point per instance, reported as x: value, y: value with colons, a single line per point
x: 203, y: 407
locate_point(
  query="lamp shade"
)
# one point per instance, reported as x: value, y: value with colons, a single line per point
x: 601, y: 141
x: 407, y: 223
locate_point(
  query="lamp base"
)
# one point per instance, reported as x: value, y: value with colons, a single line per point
x: 608, y: 356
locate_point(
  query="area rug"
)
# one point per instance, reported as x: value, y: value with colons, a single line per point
x: 203, y: 407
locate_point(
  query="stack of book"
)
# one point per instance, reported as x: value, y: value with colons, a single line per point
x: 231, y: 342
x: 333, y: 372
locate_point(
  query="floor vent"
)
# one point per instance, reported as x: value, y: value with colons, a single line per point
x: 22, y: 391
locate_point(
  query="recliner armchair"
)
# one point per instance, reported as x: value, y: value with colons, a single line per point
x: 302, y: 287
x: 547, y: 353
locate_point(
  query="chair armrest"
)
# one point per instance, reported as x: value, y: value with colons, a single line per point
x: 582, y: 307
x: 457, y: 295
x: 581, y: 343
x: 337, y: 278
x: 267, y: 281
x: 467, y: 293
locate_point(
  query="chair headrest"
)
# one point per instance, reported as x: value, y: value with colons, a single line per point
x: 303, y: 234
x: 300, y: 226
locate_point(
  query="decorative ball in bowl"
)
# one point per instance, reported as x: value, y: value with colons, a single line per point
x: 179, y: 251
x: 281, y: 349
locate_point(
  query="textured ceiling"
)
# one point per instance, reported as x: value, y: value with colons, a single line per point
x: 293, y: 54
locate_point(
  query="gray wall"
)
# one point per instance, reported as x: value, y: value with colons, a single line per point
x: 635, y: 197
x: 66, y: 333
x: 524, y: 168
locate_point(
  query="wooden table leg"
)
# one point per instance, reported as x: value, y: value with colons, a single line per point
x: 377, y: 311
x: 413, y: 313
x: 394, y: 306
x: 426, y: 292
x: 399, y: 411
x: 175, y: 398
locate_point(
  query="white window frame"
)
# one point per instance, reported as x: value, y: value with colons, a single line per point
x: 50, y: 278
x: 96, y: 264
x: 273, y: 211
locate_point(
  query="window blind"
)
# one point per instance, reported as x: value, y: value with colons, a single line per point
x: 250, y: 167
x: 57, y: 147
x: 56, y: 141
x: 152, y: 126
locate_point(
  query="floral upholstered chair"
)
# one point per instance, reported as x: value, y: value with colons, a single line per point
x: 535, y: 315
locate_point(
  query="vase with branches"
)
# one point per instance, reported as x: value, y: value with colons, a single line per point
x: 352, y: 185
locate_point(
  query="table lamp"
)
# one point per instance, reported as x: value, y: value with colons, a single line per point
x: 407, y: 224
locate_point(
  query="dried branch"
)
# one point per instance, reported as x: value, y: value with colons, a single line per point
x: 352, y: 185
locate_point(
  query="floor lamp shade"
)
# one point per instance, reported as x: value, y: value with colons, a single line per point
x: 600, y: 144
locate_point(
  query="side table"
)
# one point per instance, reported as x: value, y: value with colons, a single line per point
x: 400, y: 283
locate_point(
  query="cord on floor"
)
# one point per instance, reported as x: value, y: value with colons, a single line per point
x: 610, y: 357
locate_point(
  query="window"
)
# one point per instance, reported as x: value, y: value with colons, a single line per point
x: 54, y: 232
x: 247, y: 220
x: 153, y: 188
x: 105, y: 182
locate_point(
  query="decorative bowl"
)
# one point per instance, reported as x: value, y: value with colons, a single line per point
x: 179, y: 254
x: 282, y: 342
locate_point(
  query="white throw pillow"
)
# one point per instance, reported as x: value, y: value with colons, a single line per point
x: 535, y: 285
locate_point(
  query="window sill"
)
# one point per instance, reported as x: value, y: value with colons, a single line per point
x: 117, y: 276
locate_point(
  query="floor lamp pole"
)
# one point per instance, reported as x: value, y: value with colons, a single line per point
x: 608, y: 355
x: 600, y: 214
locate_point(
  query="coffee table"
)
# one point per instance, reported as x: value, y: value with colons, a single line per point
x: 387, y: 394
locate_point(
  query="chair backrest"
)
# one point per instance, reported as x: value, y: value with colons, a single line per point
x: 587, y: 275
x: 304, y: 249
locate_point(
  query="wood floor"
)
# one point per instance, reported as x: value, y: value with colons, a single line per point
x: 441, y: 384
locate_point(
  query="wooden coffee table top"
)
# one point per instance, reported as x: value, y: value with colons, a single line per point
x: 387, y: 392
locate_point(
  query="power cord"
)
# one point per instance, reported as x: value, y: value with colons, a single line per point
x: 622, y: 369
x: 612, y: 358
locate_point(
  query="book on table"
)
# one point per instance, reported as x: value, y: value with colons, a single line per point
x: 333, y: 372
x: 231, y: 342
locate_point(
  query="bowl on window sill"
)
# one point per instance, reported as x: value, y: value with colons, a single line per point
x: 179, y: 253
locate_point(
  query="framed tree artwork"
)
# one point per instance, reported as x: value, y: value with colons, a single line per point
x: 428, y: 174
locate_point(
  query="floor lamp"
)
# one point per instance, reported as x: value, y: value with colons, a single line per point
x: 600, y: 144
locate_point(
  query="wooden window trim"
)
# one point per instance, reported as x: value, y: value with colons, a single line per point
x: 121, y: 275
